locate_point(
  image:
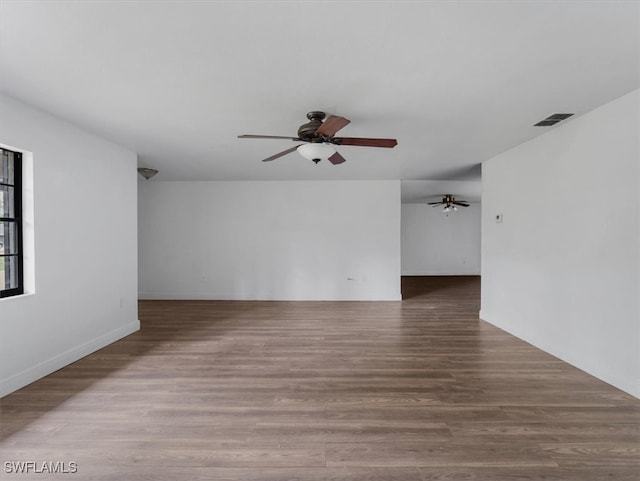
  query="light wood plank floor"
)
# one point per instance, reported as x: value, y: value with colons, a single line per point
x: 273, y: 391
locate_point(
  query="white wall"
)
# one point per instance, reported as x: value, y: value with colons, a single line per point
x: 561, y: 270
x: 302, y: 240
x: 82, y: 290
x: 434, y: 244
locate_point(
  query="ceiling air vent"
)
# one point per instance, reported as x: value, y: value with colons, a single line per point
x: 552, y: 120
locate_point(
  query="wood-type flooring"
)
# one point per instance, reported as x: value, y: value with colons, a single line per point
x: 415, y: 390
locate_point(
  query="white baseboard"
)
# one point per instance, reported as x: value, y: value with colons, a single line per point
x: 21, y: 379
x: 234, y: 297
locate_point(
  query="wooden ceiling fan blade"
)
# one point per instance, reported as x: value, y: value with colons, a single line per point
x: 330, y: 126
x: 336, y: 159
x: 364, y: 142
x: 251, y: 136
x: 461, y: 203
x: 434, y: 203
x: 280, y: 154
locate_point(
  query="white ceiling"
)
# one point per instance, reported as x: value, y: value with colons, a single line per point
x: 455, y: 82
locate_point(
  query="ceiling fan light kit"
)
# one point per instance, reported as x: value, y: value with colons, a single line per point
x: 318, y: 135
x: 316, y: 151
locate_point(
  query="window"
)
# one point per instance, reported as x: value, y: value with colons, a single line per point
x: 11, y: 275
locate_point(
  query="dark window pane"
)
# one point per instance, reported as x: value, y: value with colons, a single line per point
x: 8, y: 272
x: 6, y: 201
x: 10, y: 225
x: 8, y: 238
x: 6, y: 169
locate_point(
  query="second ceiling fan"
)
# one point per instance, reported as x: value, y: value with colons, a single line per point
x: 449, y: 202
x: 320, y: 137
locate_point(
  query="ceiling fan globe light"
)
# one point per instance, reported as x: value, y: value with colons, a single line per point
x: 316, y: 151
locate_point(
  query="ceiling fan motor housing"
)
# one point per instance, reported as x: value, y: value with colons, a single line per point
x: 307, y: 132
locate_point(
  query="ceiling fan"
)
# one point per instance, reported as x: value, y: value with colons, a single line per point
x: 319, y: 138
x: 450, y: 203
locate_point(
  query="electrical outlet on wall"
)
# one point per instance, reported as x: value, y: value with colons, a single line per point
x: 499, y: 218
